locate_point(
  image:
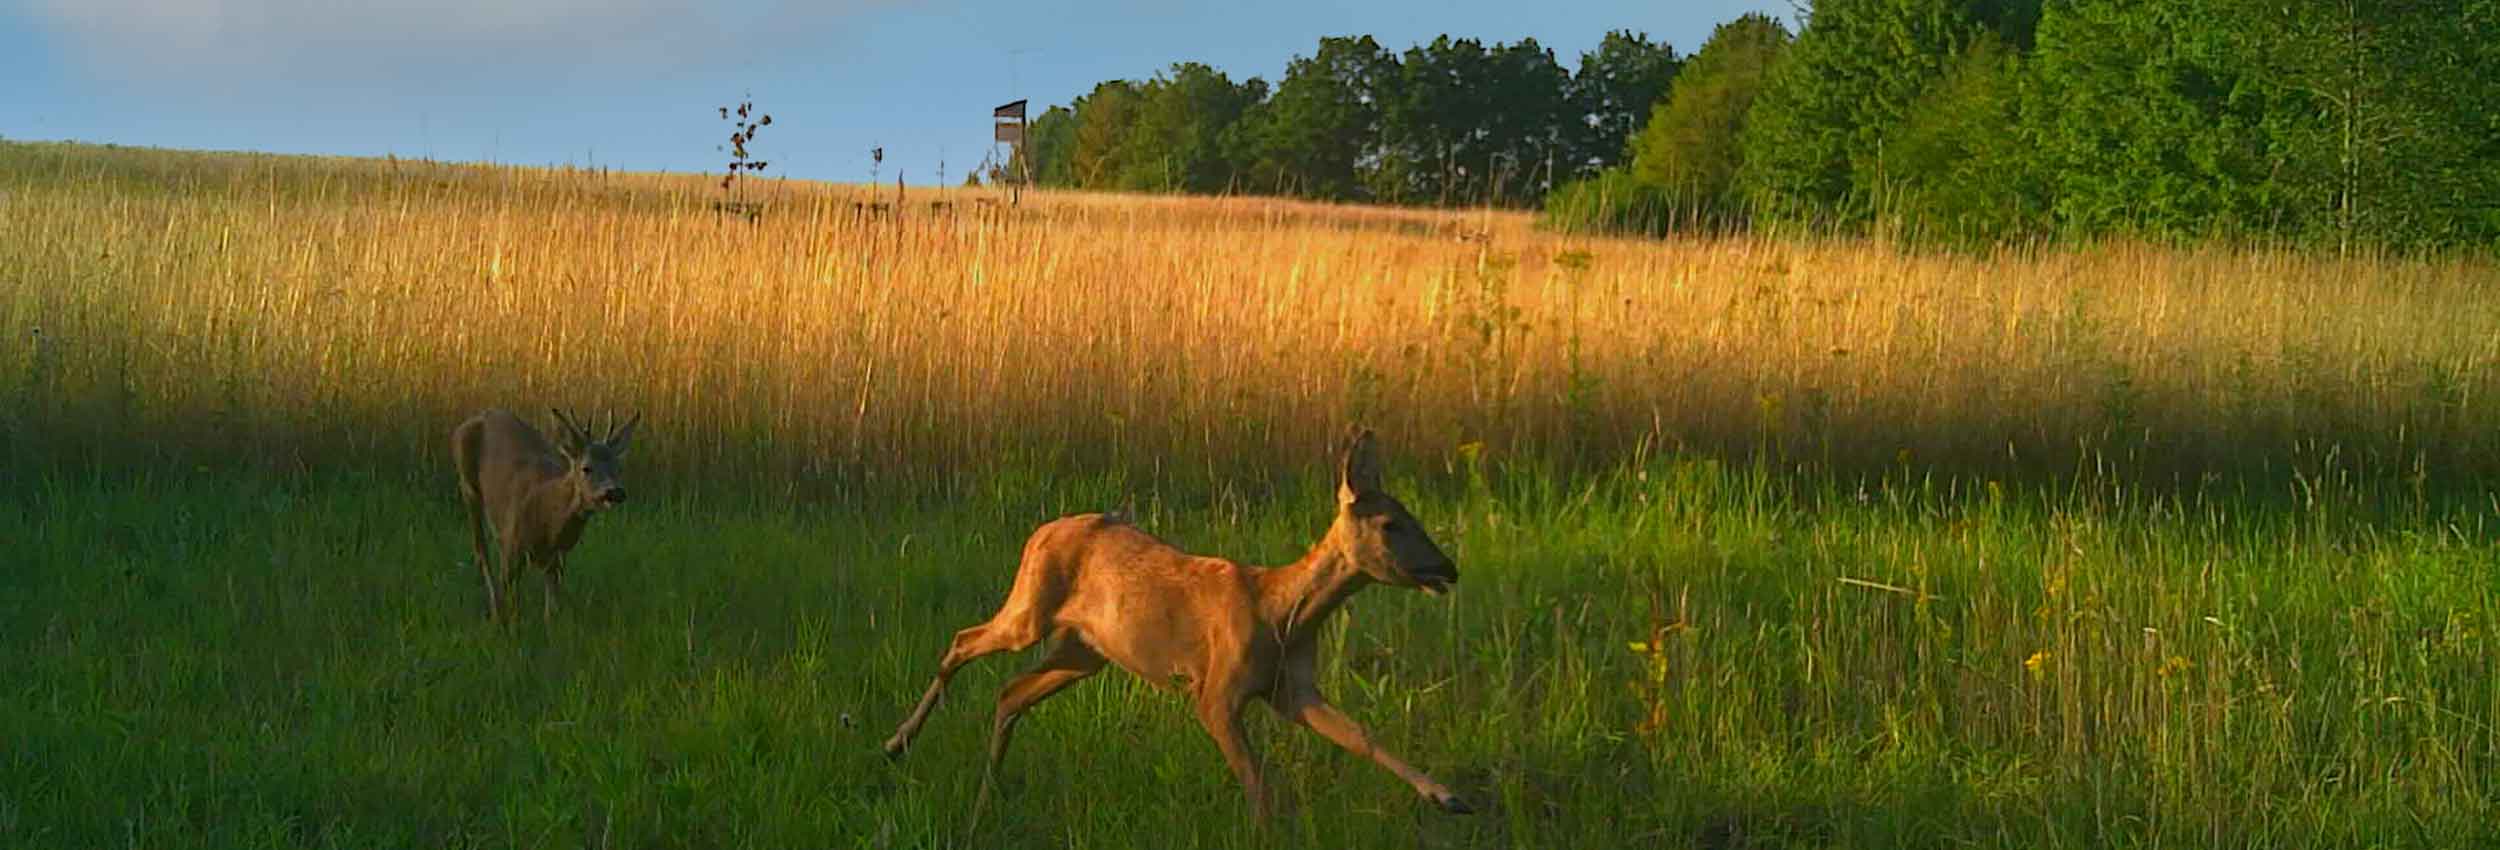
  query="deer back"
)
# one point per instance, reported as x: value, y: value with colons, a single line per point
x: 513, y: 458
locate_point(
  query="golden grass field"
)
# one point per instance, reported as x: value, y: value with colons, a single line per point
x: 274, y: 312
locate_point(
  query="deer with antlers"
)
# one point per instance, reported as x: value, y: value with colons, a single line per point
x: 1222, y: 632
x: 535, y: 496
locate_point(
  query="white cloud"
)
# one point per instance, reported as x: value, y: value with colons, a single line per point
x: 351, y: 39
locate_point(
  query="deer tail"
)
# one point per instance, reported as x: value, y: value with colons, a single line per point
x: 467, y: 442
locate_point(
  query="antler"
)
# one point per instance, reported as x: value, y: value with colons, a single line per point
x: 572, y: 432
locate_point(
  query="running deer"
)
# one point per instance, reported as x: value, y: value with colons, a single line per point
x: 1221, y: 632
x: 536, y: 497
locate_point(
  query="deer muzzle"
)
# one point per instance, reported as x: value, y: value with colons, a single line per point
x: 1436, y: 579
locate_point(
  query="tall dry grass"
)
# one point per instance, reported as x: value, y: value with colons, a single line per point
x: 168, y: 308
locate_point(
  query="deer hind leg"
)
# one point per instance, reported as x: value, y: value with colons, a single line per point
x: 485, y: 564
x: 1000, y: 634
x: 464, y: 451
x: 1069, y: 662
x: 513, y: 559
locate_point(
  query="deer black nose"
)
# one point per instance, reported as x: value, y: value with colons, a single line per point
x: 1438, y: 573
x: 615, y: 495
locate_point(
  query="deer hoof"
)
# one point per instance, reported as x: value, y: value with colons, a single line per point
x: 893, y: 751
x: 1453, y: 804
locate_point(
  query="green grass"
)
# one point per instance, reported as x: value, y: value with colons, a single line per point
x: 204, y: 661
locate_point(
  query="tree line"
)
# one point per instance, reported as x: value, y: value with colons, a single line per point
x: 2334, y: 122
x: 1450, y: 122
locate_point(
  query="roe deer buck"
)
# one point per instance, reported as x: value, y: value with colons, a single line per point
x: 535, y: 496
x: 1223, y: 632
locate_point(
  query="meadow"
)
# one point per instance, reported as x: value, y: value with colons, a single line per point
x: 1764, y: 542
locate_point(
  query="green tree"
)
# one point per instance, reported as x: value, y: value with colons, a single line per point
x: 1312, y: 138
x: 2468, y: 205
x: 1180, y: 140
x: 1527, y: 123
x: 1430, y: 110
x: 1961, y: 167
x: 2377, y: 115
x: 1105, y: 119
x: 1689, y: 149
x: 1613, y: 93
x: 1462, y: 124
x: 1813, y: 142
x: 2149, y: 123
x: 1047, y: 154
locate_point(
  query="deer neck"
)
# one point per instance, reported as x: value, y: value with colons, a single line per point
x: 561, y: 510
x: 1296, y: 599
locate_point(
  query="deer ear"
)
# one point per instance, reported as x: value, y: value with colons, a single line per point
x: 621, y: 437
x: 1358, y: 471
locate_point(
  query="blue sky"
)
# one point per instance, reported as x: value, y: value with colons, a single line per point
x: 634, y: 83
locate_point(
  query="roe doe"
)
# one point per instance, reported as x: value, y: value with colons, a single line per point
x: 1221, y: 632
x: 535, y: 496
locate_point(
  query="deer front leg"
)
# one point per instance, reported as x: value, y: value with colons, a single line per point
x: 1221, y: 713
x: 1307, y: 707
x: 555, y: 584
